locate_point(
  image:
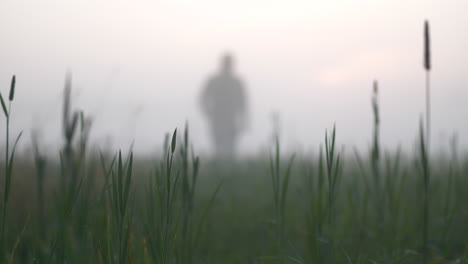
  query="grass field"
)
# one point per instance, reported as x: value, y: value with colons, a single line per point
x: 331, y: 206
x: 326, y: 207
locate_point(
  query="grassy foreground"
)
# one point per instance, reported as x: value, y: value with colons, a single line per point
x: 84, y: 206
x: 123, y: 209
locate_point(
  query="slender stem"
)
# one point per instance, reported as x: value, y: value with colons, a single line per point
x: 428, y: 110
x: 7, y: 165
x: 426, y: 178
x: 425, y: 223
x: 426, y: 183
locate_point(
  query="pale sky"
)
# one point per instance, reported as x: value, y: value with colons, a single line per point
x: 138, y: 67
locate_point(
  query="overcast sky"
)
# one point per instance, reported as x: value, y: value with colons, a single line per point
x: 138, y: 67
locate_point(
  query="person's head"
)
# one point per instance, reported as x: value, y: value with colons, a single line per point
x: 227, y: 63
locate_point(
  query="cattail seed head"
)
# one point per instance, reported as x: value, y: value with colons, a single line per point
x: 66, y: 103
x: 173, y: 143
x: 375, y: 102
x: 12, y: 88
x: 427, y: 47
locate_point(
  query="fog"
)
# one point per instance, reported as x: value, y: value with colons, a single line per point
x: 138, y: 68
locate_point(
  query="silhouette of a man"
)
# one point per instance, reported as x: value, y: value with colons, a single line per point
x: 224, y: 103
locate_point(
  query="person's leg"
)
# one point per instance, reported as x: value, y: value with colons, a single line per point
x: 230, y: 143
x: 224, y: 142
x: 218, y: 141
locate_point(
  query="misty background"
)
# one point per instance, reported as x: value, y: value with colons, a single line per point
x: 138, y: 68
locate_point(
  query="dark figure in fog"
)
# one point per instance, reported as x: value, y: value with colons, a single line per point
x: 223, y: 102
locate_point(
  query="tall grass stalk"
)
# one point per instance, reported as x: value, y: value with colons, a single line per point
x: 425, y: 180
x: 333, y: 167
x: 375, y: 156
x: 119, y: 194
x: 69, y: 124
x: 163, y: 215
x: 188, y: 193
x: 315, y: 214
x: 70, y: 182
x: 280, y: 189
x: 427, y: 67
x: 191, y: 229
x: 9, y: 160
x: 426, y: 139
